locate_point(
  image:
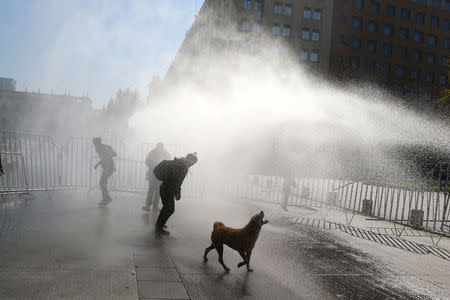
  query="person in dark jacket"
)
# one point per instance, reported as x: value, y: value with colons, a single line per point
x: 106, y: 154
x: 155, y: 156
x: 1, y: 167
x: 172, y: 174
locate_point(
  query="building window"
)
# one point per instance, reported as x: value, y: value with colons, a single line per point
x: 417, y: 56
x: 447, y: 4
x: 415, y: 74
x: 304, y: 55
x: 288, y: 9
x: 341, y: 39
x: 390, y: 10
x: 434, y: 21
x: 403, y: 52
x: 400, y: 72
x: 256, y: 27
x: 420, y: 18
x: 286, y: 30
x: 429, y: 77
x: 387, y: 49
x: 342, y: 20
x: 443, y: 79
x: 428, y: 95
x: 247, y: 4
x: 431, y: 58
x: 356, y: 43
x: 399, y: 91
x: 447, y: 24
x: 375, y: 7
x: 444, y: 61
x: 357, y: 22
x: 354, y: 62
x: 372, y: 46
x: 432, y: 40
x: 418, y: 37
x: 373, y: 26
x: 385, y: 69
x: 446, y: 43
x: 314, y: 56
x: 244, y: 47
x: 305, y: 33
x: 414, y: 93
x: 277, y: 8
x: 436, y: 3
x: 307, y: 12
x: 317, y: 14
x: 316, y: 35
x: 340, y: 60
x: 284, y: 52
x: 258, y: 5
x: 370, y: 65
x: 276, y: 29
x: 404, y: 33
x: 388, y: 29
x: 358, y: 4
x: 405, y: 14
x: 245, y: 25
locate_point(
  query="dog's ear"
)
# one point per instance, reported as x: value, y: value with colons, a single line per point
x: 265, y: 222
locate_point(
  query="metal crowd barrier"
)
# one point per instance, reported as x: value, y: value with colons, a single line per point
x: 393, y: 197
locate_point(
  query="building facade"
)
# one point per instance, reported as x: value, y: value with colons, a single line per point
x: 401, y: 45
x: 298, y: 29
x: 45, y: 113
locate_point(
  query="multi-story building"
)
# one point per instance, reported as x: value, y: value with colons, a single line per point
x: 45, y: 113
x: 403, y: 45
x: 299, y: 29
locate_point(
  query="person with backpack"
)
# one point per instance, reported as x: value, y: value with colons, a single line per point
x: 172, y: 174
x: 106, y: 154
x: 1, y: 167
x: 155, y: 156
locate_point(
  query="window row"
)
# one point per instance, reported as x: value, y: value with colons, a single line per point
x: 306, y: 34
x: 400, y: 72
x: 357, y: 23
x: 311, y: 55
x: 255, y: 4
x: 279, y: 8
x: 390, y: 9
x: 432, y: 40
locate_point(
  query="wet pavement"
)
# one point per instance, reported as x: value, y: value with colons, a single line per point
x: 68, y: 248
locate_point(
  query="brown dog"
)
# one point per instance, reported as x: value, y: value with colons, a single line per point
x: 242, y: 240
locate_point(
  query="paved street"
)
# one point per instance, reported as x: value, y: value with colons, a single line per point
x: 68, y: 248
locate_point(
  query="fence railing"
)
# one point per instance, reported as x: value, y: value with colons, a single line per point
x: 392, y: 191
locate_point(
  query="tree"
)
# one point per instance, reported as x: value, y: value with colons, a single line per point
x: 124, y: 105
x: 446, y: 92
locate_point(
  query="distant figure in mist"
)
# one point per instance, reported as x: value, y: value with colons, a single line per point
x: 1, y: 167
x: 154, y: 157
x: 106, y: 154
x: 288, y: 184
x: 172, y: 174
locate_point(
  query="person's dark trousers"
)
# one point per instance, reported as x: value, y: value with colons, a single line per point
x: 104, y: 184
x: 168, y: 206
x: 153, y: 193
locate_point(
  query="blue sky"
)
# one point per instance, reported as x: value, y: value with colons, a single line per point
x: 90, y: 47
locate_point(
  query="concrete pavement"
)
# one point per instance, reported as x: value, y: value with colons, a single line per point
x: 67, y: 248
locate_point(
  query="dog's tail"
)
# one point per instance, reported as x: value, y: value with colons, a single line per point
x: 217, y: 225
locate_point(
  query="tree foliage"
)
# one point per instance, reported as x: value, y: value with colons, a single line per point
x: 124, y: 105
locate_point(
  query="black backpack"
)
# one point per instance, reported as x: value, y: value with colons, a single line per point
x: 162, y: 170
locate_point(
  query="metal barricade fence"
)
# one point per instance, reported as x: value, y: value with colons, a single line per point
x: 36, y: 158
x: 390, y: 196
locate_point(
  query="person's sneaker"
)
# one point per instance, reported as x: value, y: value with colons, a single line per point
x: 146, y: 208
x: 161, y: 231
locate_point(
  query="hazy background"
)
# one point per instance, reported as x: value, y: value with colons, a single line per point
x: 91, y: 47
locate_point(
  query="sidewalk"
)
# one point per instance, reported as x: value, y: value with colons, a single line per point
x: 68, y: 248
